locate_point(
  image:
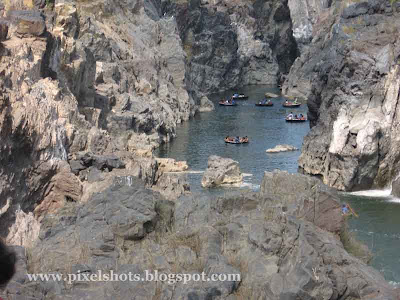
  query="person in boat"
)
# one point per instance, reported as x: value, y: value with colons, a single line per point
x: 290, y: 116
x: 295, y: 101
x: 295, y: 116
x: 237, y: 139
x: 286, y: 102
x: 345, y: 209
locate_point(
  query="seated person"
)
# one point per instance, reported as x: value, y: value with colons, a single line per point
x: 345, y: 209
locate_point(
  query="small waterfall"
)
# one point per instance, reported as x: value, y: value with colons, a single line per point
x: 59, y: 149
x: 384, y: 193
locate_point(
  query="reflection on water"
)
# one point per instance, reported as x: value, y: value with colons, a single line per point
x: 265, y: 126
x: 378, y: 226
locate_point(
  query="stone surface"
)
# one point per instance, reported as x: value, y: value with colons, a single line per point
x: 281, y: 148
x: 305, y: 197
x: 171, y: 165
x: 233, y: 43
x: 351, y: 77
x: 277, y: 254
x: 206, y: 105
x: 221, y: 171
x: 396, y: 188
x: 28, y: 23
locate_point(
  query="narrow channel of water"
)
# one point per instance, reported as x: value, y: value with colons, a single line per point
x: 265, y: 126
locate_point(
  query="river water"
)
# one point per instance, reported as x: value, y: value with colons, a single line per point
x: 265, y: 126
x: 378, y: 225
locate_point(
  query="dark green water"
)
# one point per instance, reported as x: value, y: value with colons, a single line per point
x: 378, y: 226
x: 265, y: 126
x: 379, y: 222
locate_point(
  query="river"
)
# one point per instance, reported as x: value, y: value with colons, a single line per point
x: 378, y: 225
x: 265, y: 126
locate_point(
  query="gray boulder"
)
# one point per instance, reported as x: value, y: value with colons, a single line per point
x: 304, y: 197
x: 221, y: 171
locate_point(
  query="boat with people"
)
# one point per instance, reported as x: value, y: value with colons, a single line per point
x: 265, y: 102
x: 227, y: 103
x: 239, y: 97
x: 295, y: 118
x: 236, y: 140
x: 291, y: 104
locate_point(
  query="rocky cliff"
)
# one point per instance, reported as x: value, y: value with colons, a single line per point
x: 78, y: 76
x: 351, y: 78
x: 283, y: 247
x: 233, y: 43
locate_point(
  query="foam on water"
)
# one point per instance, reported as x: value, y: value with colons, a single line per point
x: 247, y: 174
x: 373, y: 193
x: 250, y: 185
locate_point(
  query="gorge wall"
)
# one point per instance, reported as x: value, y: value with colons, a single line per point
x: 350, y: 75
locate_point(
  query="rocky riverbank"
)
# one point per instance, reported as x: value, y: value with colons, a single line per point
x: 283, y: 244
x: 350, y: 74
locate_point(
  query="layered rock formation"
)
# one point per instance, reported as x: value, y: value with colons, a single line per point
x: 221, y: 171
x: 352, y: 64
x: 278, y: 252
x: 233, y: 43
x: 78, y: 76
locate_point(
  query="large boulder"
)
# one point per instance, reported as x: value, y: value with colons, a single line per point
x: 206, y: 105
x: 304, y: 197
x: 221, y: 171
x: 28, y: 23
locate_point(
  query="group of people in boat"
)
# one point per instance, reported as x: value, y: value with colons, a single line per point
x: 292, y: 116
x: 236, y: 139
x: 265, y: 101
x: 294, y: 103
x: 229, y: 101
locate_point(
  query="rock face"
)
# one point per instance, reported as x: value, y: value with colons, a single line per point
x: 278, y: 253
x: 304, y: 197
x: 78, y: 76
x: 233, y: 43
x: 396, y: 188
x: 353, y: 98
x: 221, y: 171
x: 281, y: 148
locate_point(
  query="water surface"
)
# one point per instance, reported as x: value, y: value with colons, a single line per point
x: 378, y: 226
x: 265, y: 126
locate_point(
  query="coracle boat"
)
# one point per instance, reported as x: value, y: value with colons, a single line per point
x: 240, y: 97
x: 269, y: 103
x: 293, y: 119
x: 236, y: 140
x: 291, y: 104
x: 227, y: 103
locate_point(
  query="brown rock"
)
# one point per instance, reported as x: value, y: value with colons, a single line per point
x: 63, y: 187
x: 28, y: 23
x: 3, y: 30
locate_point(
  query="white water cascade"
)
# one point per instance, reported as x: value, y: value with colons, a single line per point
x: 384, y: 193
